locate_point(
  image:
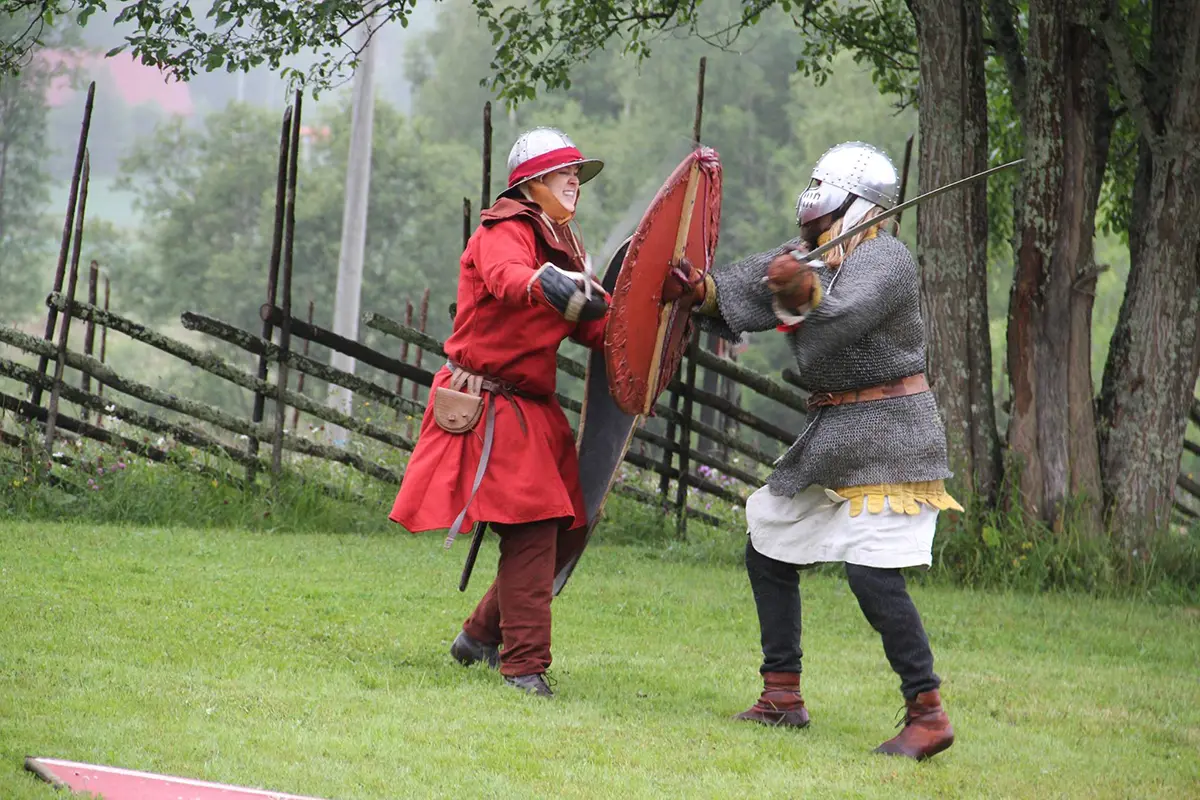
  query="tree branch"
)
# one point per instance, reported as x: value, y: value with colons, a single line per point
x: 1008, y: 43
x: 883, y: 49
x: 1113, y: 29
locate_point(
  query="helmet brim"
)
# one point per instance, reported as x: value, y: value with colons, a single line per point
x: 588, y: 169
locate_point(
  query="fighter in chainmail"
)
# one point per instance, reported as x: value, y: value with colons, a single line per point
x: 863, y: 483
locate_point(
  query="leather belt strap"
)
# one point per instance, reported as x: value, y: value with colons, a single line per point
x: 492, y: 386
x: 902, y: 387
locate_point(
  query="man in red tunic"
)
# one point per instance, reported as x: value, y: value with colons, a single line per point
x: 495, y: 445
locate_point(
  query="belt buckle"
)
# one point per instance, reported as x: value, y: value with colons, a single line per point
x: 820, y: 399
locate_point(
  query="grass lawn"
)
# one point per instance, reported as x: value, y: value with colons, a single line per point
x: 317, y: 664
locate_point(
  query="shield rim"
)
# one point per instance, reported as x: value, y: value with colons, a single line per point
x: 709, y: 168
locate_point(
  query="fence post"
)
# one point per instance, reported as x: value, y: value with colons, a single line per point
x: 285, y: 328
x: 281, y: 187
x: 300, y: 381
x: 466, y: 221
x: 103, y: 349
x: 423, y: 320
x: 64, y: 333
x: 89, y: 335
x: 685, y: 427
x: 485, y: 199
x: 408, y: 315
x: 68, y: 223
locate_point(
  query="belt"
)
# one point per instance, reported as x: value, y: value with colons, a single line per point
x: 493, y: 386
x: 901, y: 387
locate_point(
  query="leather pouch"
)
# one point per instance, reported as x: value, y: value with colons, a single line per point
x: 457, y: 411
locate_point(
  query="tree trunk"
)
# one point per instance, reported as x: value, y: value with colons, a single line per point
x: 1088, y: 127
x: 1052, y: 433
x: 1154, y: 357
x: 952, y: 238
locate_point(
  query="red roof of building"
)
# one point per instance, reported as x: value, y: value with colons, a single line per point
x: 135, y: 82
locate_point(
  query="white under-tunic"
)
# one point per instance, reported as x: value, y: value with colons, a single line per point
x: 815, y: 525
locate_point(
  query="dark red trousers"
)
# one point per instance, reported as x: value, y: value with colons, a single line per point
x: 515, y: 611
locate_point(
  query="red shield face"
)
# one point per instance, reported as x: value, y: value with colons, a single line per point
x: 644, y: 340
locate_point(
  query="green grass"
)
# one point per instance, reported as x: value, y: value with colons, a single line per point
x: 316, y: 664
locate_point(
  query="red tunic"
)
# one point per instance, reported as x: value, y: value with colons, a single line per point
x: 500, y: 332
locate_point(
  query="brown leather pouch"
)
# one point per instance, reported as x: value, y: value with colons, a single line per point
x: 457, y: 411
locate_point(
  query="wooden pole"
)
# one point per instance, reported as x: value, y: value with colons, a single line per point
x: 300, y: 381
x: 466, y: 221
x: 686, y: 430
x: 281, y: 187
x: 285, y: 329
x: 904, y: 176
x: 89, y: 334
x: 408, y: 318
x: 68, y: 224
x: 103, y: 347
x: 485, y: 200
x: 65, y: 332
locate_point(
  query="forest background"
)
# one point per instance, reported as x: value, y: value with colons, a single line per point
x: 180, y: 211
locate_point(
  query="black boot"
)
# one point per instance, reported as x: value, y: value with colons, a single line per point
x: 530, y: 684
x: 468, y: 651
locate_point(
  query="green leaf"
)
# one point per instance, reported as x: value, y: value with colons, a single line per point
x: 992, y: 537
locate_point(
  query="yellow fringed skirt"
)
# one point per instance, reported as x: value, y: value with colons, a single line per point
x: 824, y: 525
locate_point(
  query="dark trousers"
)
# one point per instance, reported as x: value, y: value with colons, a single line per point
x: 515, y: 610
x: 882, y: 596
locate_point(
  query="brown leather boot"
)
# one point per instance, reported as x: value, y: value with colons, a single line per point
x: 927, y: 730
x: 780, y: 702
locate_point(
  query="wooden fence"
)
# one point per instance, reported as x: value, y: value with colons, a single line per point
x: 282, y: 346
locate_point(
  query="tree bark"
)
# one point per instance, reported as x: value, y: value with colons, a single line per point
x: 1154, y: 357
x: 952, y: 238
x: 1052, y: 432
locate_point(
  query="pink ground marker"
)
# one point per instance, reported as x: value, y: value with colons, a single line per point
x: 126, y: 784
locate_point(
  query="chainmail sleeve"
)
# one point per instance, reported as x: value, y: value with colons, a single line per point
x: 743, y: 299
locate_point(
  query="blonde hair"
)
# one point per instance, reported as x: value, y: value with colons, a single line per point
x: 835, y: 257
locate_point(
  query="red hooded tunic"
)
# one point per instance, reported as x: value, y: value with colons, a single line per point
x: 501, y: 331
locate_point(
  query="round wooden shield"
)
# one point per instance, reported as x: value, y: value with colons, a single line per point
x: 644, y: 340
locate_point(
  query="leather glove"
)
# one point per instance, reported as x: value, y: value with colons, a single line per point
x: 568, y: 293
x: 793, y: 282
x: 683, y: 279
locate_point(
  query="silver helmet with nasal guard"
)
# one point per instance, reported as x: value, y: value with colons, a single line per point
x: 850, y: 168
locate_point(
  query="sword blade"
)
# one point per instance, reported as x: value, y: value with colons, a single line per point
x: 472, y: 553
x: 894, y: 210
